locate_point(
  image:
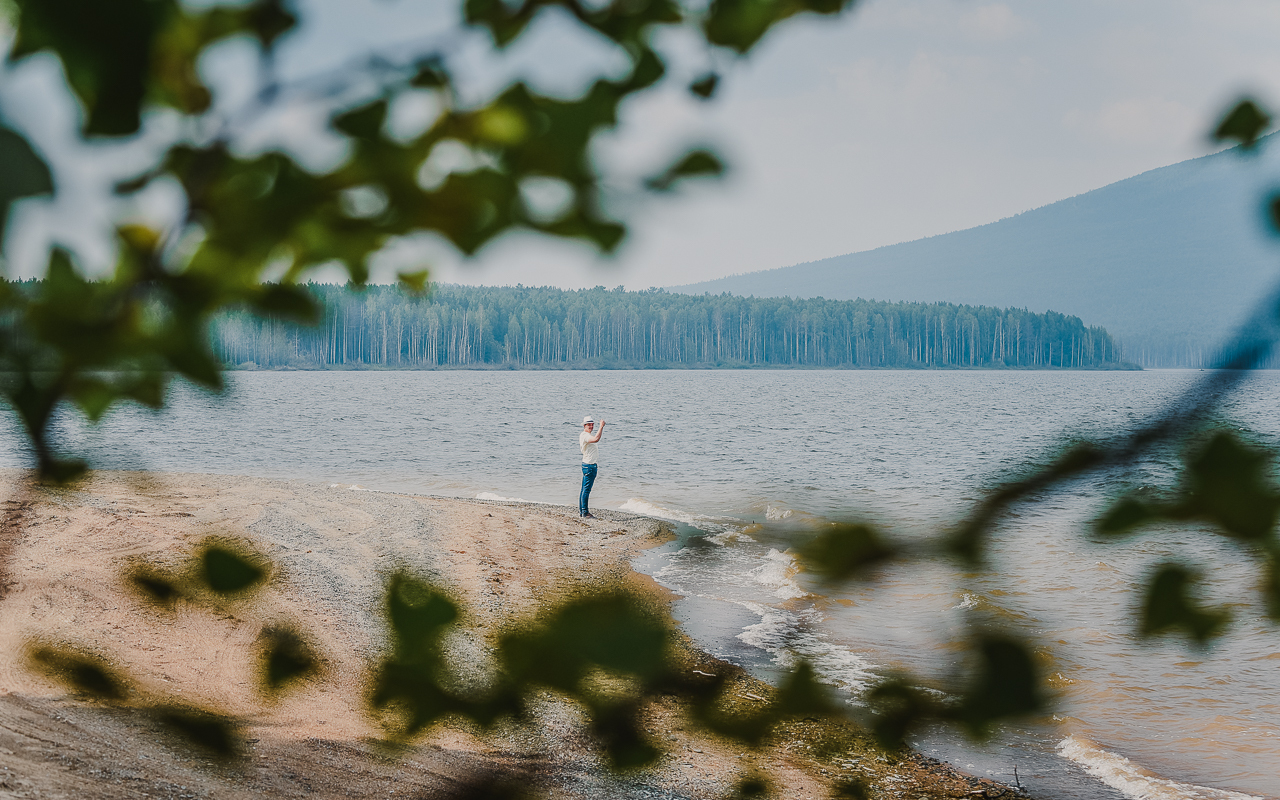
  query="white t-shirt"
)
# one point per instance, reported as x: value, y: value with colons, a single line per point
x: 589, y: 449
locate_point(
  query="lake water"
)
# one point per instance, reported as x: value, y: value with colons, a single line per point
x: 746, y: 459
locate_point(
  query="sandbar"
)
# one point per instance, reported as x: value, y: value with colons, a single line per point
x: 64, y: 554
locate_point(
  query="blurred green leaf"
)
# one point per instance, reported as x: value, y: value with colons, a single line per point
x: 228, y: 570
x: 105, y: 50
x: 627, y: 23
x: 86, y: 674
x: 62, y: 471
x: 1170, y: 606
x: 1126, y: 515
x: 719, y: 709
x: 133, y: 185
x: 270, y: 19
x: 412, y: 682
x: 1004, y: 683
x: 414, y: 692
x: 899, y: 706
x: 431, y: 74
x: 850, y: 789
x: 414, y: 282
x: 483, y: 786
x: 740, y: 24
x: 419, y: 616
x: 364, y: 122
x: 118, y: 55
x: 705, y: 86
x: 1273, y: 212
x: 801, y: 694
x: 847, y: 552
x: 1271, y: 583
x: 216, y: 734
x: 1229, y: 484
x: 968, y: 541
x: 695, y: 164
x: 290, y: 302
x: 93, y: 397
x: 619, y: 729
x: 154, y: 586
x: 752, y: 787
x: 712, y: 702
x: 22, y: 173
x: 286, y: 658
x: 96, y: 343
x: 1244, y: 123
x: 611, y: 631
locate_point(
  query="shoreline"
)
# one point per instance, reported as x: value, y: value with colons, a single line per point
x: 249, y: 366
x: 63, y: 553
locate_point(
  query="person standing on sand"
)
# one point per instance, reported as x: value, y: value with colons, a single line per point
x: 587, y: 444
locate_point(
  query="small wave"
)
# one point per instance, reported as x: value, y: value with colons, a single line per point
x: 775, y: 513
x: 1134, y: 781
x: 967, y: 602
x: 786, y: 636
x: 500, y: 498
x: 774, y: 633
x: 719, y: 530
x: 728, y: 535
x: 777, y: 573
x: 643, y: 507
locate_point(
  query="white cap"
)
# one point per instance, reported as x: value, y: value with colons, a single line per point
x: 586, y: 420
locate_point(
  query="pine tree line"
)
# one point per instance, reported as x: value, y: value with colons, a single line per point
x: 476, y: 327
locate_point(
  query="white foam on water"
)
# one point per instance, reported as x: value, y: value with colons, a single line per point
x: 771, y: 634
x: 729, y: 535
x: 500, y: 498
x: 1133, y: 780
x: 967, y: 602
x: 776, y: 513
x: 638, y: 505
x: 839, y: 665
x: 777, y: 573
x: 717, y: 530
x: 786, y: 636
x: 739, y: 574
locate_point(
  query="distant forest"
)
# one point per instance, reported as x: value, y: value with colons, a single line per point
x: 522, y: 327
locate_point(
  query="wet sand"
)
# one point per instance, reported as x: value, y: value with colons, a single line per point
x: 63, y: 556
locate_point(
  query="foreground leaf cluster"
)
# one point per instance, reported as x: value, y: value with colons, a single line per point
x: 468, y: 178
x: 612, y: 652
x: 479, y: 169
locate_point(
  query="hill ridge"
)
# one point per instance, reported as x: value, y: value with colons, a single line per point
x: 1168, y: 260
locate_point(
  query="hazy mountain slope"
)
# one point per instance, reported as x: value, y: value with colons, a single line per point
x: 1168, y: 261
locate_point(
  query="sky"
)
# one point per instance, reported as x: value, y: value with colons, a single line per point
x: 900, y: 120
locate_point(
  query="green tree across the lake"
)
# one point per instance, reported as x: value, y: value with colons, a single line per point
x: 461, y: 326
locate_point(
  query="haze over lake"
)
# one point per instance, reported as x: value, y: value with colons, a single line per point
x: 745, y: 459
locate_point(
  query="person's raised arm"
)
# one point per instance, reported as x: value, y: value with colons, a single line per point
x: 599, y: 433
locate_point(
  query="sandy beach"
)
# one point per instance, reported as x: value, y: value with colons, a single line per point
x: 63, y: 557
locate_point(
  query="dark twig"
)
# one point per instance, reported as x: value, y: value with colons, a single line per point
x: 1245, y: 352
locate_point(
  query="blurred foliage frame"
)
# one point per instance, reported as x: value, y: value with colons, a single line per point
x: 93, y: 344
x: 96, y: 343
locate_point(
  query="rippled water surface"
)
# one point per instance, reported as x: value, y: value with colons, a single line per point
x: 745, y: 459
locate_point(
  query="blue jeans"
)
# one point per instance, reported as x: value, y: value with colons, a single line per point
x: 588, y: 480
